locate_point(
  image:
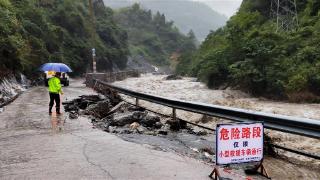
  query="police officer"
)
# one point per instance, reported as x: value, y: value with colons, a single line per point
x: 54, y: 92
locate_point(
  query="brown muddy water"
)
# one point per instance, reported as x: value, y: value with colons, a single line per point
x: 286, y: 166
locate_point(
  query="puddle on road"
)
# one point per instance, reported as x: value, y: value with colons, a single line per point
x: 199, y: 147
x: 57, y: 122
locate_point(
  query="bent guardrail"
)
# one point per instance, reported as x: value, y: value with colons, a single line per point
x: 300, y: 126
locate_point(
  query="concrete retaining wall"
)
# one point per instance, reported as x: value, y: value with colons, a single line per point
x: 110, y: 76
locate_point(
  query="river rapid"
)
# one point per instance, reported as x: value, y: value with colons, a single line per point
x: 189, y: 89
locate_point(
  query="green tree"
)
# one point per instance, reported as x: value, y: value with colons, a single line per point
x: 249, y: 55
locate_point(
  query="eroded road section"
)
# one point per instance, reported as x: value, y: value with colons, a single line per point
x: 34, y: 145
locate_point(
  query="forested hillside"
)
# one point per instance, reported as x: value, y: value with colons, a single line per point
x: 152, y: 36
x: 36, y: 32
x: 186, y: 14
x: 250, y: 55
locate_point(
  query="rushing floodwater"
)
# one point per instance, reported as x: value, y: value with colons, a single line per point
x: 190, y: 90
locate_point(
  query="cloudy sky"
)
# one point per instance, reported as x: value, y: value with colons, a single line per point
x: 226, y: 7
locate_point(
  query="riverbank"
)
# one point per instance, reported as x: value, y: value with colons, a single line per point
x: 190, y: 90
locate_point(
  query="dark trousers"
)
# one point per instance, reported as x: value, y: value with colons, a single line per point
x: 54, y: 98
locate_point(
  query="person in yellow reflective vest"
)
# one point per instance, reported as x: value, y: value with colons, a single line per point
x: 54, y: 91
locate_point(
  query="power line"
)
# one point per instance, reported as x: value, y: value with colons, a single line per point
x: 285, y: 13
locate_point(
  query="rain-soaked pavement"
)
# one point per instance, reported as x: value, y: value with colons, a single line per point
x: 34, y: 145
x: 296, y: 167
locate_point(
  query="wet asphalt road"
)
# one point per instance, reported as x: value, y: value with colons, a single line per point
x: 34, y: 145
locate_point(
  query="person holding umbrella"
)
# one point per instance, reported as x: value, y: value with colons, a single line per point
x: 54, y: 83
x: 54, y: 91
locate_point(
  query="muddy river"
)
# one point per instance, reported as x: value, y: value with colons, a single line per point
x: 288, y: 165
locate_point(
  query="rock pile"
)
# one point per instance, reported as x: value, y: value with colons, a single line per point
x: 111, y: 114
x: 80, y: 105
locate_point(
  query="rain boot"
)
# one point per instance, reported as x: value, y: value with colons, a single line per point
x: 58, y: 110
x: 50, y: 110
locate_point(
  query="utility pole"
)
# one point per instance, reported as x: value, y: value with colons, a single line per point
x: 285, y: 13
x: 94, y: 63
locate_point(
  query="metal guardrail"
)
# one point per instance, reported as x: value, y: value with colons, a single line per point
x: 299, y: 126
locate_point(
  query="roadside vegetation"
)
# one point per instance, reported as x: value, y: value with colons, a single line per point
x: 36, y: 32
x: 249, y: 54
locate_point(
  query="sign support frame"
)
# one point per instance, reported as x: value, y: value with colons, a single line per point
x: 258, y: 169
x: 216, y: 173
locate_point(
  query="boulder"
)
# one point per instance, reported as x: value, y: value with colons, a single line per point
x: 173, y: 77
x: 112, y: 95
x: 134, y: 125
x: 141, y: 129
x: 84, y: 104
x: 101, y: 125
x: 126, y: 131
x: 176, y: 125
x: 81, y: 103
x: 158, y: 125
x: 99, y: 110
x: 70, y: 107
x: 92, y: 98
x: 150, y: 120
x: 118, y: 107
x: 127, y: 118
x: 164, y: 130
x: 136, y: 108
x: 112, y: 129
x: 198, y: 131
x: 152, y: 133
x: 82, y: 112
x: 73, y: 115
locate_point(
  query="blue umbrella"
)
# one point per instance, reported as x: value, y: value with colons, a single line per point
x: 57, y: 67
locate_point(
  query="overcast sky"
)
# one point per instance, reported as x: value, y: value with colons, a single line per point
x: 226, y: 7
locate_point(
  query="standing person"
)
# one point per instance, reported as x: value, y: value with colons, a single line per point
x: 54, y: 92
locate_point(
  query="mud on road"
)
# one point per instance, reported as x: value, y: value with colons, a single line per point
x: 136, y: 124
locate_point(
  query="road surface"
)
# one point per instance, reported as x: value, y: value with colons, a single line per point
x: 34, y: 145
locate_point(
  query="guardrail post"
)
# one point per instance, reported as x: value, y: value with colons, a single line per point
x: 137, y: 102
x: 95, y: 83
x: 174, y: 114
x: 294, y: 125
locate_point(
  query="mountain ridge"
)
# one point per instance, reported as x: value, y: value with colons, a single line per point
x: 187, y: 15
